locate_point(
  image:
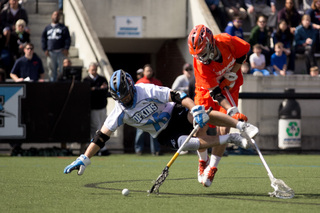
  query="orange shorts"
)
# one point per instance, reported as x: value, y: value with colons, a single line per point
x: 203, y: 98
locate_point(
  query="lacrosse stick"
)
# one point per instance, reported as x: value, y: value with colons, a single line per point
x: 281, y: 190
x: 162, y: 177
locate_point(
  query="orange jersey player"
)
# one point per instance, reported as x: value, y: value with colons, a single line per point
x: 217, y: 62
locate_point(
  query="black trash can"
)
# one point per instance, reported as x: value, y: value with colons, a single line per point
x: 289, y: 130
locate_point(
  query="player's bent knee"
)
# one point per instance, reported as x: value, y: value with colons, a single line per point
x: 193, y: 143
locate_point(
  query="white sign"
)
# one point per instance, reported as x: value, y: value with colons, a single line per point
x: 10, y: 111
x: 129, y: 26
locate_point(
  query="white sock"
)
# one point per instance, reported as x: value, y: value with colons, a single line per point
x: 214, y: 161
x: 223, y: 139
x: 203, y: 155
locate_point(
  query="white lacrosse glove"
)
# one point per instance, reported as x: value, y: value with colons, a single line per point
x: 199, y: 115
x: 248, y: 128
x: 79, y: 164
x: 234, y: 113
x: 229, y: 80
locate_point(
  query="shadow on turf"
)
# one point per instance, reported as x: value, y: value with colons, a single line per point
x: 228, y: 195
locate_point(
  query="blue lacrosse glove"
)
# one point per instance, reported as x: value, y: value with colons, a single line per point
x: 199, y: 115
x: 79, y: 164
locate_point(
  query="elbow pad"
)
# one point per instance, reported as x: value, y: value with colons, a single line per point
x: 177, y: 96
x: 217, y: 95
x: 241, y: 59
x: 100, y: 139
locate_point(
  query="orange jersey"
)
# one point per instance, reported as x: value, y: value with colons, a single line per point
x: 208, y: 75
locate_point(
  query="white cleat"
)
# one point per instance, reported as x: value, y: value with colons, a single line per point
x: 250, y: 130
x: 202, y: 166
x: 208, y: 176
x: 238, y: 140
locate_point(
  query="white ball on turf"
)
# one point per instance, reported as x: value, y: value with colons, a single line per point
x: 125, y: 192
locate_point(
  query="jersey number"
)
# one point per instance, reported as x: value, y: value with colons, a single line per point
x: 159, y: 118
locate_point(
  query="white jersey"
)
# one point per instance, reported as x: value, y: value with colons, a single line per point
x: 151, y: 111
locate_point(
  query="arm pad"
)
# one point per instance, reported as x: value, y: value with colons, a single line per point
x: 217, y: 95
x: 241, y: 59
x: 100, y: 139
x: 177, y: 96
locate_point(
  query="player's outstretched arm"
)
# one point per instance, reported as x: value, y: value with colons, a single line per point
x: 96, y: 144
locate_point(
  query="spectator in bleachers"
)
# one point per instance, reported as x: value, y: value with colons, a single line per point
x: 28, y: 67
x: 260, y: 35
x: 234, y: 27
x: 279, y: 61
x: 18, y: 39
x: 262, y: 7
x: 245, y: 69
x: 55, y: 43
x: 283, y: 35
x: 258, y: 62
x: 6, y: 59
x: 235, y: 8
x: 314, y: 13
x: 139, y: 73
x: 10, y: 15
x: 314, y: 71
x: 307, y: 5
x: 181, y: 83
x: 305, y: 41
x: 3, y: 3
x: 67, y: 62
x: 217, y: 13
x: 290, y: 14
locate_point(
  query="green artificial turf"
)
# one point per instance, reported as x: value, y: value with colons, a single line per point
x: 38, y: 184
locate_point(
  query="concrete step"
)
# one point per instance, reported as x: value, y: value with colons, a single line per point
x: 37, y: 23
x: 76, y: 62
x: 43, y: 19
x: 43, y: 7
x: 73, y: 52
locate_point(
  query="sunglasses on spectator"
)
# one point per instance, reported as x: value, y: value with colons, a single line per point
x: 29, y: 48
x: 189, y: 69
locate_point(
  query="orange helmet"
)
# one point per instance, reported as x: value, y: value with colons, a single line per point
x: 201, y: 43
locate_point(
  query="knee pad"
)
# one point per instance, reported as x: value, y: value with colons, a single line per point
x: 193, y: 143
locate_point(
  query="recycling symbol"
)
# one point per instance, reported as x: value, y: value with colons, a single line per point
x: 293, y: 129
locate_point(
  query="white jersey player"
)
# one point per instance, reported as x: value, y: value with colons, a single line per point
x: 150, y: 111
x: 164, y: 113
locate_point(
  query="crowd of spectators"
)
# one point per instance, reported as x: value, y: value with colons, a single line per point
x: 15, y: 35
x: 294, y: 25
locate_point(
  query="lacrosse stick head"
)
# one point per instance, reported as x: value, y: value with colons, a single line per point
x: 281, y: 190
x: 162, y: 177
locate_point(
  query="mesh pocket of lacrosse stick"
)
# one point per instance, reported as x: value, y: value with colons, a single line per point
x: 162, y: 177
x: 281, y: 190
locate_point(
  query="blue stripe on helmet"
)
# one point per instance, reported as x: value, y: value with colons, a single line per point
x: 118, y: 82
x: 111, y: 81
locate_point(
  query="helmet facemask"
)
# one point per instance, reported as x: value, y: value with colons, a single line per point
x: 207, y: 54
